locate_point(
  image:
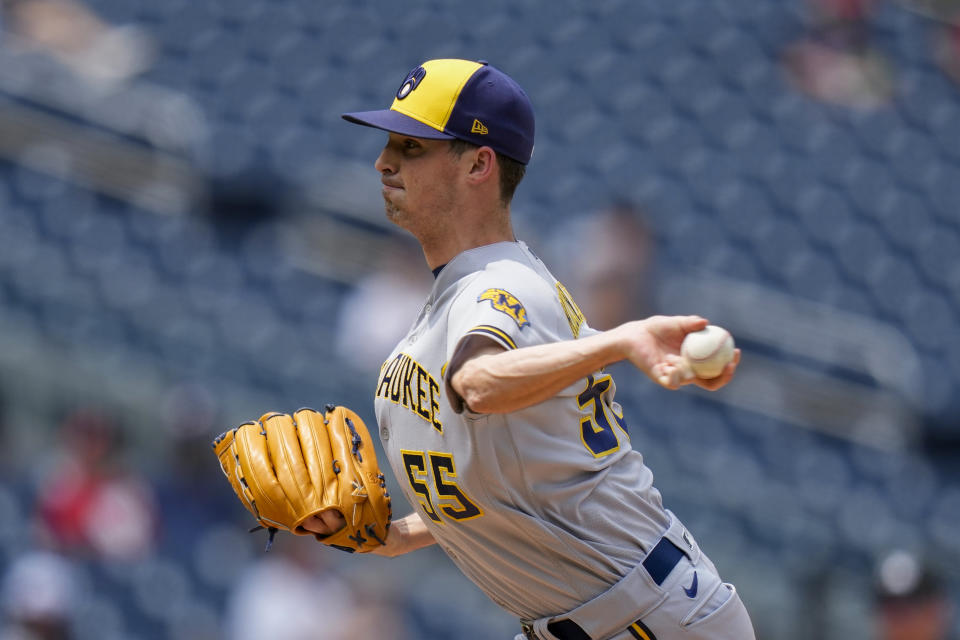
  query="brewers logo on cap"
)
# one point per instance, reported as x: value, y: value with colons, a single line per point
x: 410, y: 82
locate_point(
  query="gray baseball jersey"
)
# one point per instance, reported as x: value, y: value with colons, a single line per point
x: 544, y: 508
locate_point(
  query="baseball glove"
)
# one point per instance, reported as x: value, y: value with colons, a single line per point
x: 286, y: 469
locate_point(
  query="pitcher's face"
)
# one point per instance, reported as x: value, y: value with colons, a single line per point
x: 419, y: 179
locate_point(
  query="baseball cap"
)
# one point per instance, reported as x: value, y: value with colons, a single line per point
x: 472, y: 101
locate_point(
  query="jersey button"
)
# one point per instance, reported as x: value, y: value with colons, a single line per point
x: 384, y: 433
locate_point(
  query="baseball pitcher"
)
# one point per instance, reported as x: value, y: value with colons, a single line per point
x: 495, y: 411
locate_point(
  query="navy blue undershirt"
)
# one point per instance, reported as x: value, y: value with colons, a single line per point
x: 436, y: 272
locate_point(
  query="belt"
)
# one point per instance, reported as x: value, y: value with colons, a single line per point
x: 662, y: 559
x: 659, y: 563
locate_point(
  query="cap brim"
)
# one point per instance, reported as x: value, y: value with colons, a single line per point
x: 395, y: 122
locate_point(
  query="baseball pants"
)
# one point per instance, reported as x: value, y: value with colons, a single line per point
x: 676, y: 593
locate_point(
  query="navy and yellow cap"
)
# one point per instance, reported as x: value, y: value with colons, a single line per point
x: 472, y: 101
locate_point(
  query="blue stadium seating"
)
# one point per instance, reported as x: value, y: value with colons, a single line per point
x: 679, y: 107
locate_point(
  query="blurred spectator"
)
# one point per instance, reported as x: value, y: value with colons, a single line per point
x: 39, y: 592
x: 911, y: 600
x: 382, y: 306
x: 189, y: 488
x: 378, y: 611
x: 292, y: 593
x: 7, y: 444
x: 88, y: 502
x: 836, y: 61
x: 239, y: 203
x: 604, y: 259
x: 76, y: 36
x: 947, y: 45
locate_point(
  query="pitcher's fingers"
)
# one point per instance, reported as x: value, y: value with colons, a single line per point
x: 693, y: 323
x: 333, y: 519
x: 720, y: 381
x: 325, y: 523
x: 314, y: 524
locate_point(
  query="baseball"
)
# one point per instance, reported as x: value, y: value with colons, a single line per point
x: 708, y: 351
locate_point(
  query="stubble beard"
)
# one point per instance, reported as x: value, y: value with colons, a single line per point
x: 423, y: 226
x: 394, y: 213
x: 402, y: 218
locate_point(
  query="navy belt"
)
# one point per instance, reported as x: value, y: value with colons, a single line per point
x: 659, y: 563
x: 661, y: 560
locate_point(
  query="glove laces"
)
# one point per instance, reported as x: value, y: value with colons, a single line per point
x: 272, y: 531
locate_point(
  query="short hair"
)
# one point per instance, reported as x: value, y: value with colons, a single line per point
x: 511, y: 171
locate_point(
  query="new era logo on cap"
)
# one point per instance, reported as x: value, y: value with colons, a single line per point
x: 449, y: 98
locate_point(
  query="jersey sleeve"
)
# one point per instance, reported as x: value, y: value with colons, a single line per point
x: 512, y: 311
x: 515, y: 308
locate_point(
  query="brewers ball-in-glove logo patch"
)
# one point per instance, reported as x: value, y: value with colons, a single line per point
x: 506, y: 302
x: 410, y: 82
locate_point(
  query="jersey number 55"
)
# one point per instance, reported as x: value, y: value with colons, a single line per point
x: 440, y: 479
